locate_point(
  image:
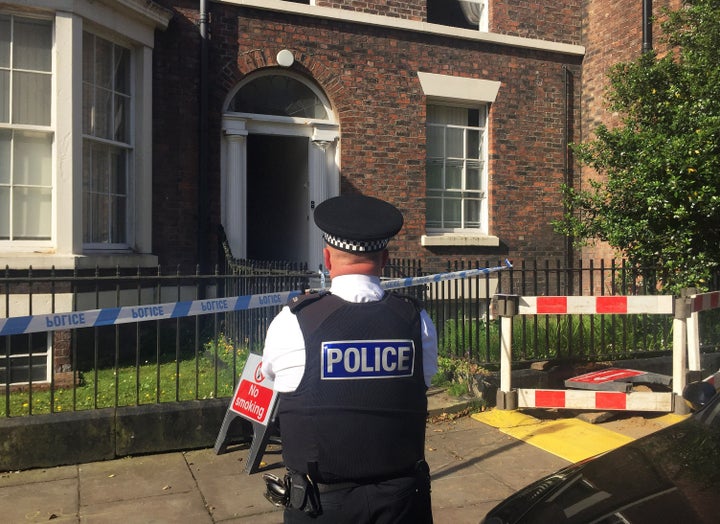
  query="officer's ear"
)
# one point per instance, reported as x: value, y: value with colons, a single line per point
x: 326, y: 258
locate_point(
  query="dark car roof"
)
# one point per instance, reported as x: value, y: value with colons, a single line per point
x: 672, y: 475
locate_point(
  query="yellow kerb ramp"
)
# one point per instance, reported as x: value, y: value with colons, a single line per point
x: 570, y: 439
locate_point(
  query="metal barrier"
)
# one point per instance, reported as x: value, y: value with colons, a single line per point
x: 509, y: 306
x: 699, y: 302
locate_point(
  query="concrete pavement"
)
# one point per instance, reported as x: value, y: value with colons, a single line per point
x: 473, y: 464
x: 473, y: 467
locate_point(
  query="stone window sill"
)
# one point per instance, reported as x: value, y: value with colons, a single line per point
x: 459, y: 239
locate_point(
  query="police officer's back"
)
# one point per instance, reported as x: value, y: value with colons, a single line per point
x: 351, y: 367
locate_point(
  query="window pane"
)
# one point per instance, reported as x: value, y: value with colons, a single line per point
x: 473, y: 118
x: 122, y: 113
x: 88, y: 194
x: 22, y: 344
x: 278, y: 95
x: 447, y: 115
x: 473, y: 143
x: 17, y: 369
x: 472, y: 176
x: 4, y: 41
x: 32, y: 42
x: 453, y: 174
x: 5, y: 143
x: 31, y: 98
x: 455, y: 143
x: 105, y: 200
x: 88, y: 72
x: 101, y: 204
x: 435, y: 141
x: 122, y: 70
x: 32, y: 159
x: 5, y: 96
x: 100, y: 170
x: 452, y: 213
x: 103, y: 63
x: 31, y: 213
x: 118, y: 220
x: 25, y: 185
x: 118, y: 178
x: 4, y: 213
x: 434, y: 171
x: 472, y: 213
x: 434, y: 212
x: 103, y: 113
x: 106, y: 89
x: 87, y: 108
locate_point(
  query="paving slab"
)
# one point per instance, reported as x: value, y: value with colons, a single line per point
x: 134, y: 479
x: 166, y: 509
x: 474, y: 465
x: 229, y: 492
x: 54, y: 500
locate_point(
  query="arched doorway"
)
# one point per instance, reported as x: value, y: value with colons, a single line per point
x: 279, y: 161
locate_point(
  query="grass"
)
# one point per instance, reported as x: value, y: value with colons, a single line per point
x: 209, y: 376
x: 586, y: 337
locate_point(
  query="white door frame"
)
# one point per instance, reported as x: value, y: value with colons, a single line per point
x: 323, y: 172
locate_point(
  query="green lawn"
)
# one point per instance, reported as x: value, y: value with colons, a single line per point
x: 149, y: 383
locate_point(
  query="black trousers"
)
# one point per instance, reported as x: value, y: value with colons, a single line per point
x: 397, y: 501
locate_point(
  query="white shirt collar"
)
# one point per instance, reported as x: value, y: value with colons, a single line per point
x: 357, y: 288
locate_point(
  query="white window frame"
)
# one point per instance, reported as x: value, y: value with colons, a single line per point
x: 127, y: 148
x: 131, y: 24
x: 44, y: 354
x: 45, y: 130
x: 463, y: 92
x: 464, y: 159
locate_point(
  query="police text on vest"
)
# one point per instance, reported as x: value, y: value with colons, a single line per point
x: 353, y: 359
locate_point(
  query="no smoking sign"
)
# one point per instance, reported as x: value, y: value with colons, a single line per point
x: 254, y: 397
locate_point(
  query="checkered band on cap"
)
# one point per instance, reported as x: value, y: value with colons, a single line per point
x: 356, y: 246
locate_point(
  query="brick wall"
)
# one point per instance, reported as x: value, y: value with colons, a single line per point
x: 175, y: 139
x: 557, y: 21
x: 407, y: 9
x: 612, y: 33
x: 370, y: 76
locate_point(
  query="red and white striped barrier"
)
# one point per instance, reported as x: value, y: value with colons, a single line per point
x: 705, y: 301
x: 600, y: 305
x: 600, y: 400
x: 713, y: 379
x: 593, y: 305
x: 698, y: 303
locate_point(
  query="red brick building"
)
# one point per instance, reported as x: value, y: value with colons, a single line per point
x: 129, y: 131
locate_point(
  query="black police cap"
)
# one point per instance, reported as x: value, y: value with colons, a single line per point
x: 358, y: 223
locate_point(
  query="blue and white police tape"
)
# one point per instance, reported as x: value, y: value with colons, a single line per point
x: 129, y: 314
x: 440, y: 277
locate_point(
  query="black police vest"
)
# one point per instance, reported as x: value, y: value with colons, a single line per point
x: 359, y: 411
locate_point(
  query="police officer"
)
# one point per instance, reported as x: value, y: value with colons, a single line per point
x: 352, y: 367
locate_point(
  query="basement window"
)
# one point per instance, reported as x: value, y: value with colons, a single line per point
x: 24, y: 358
